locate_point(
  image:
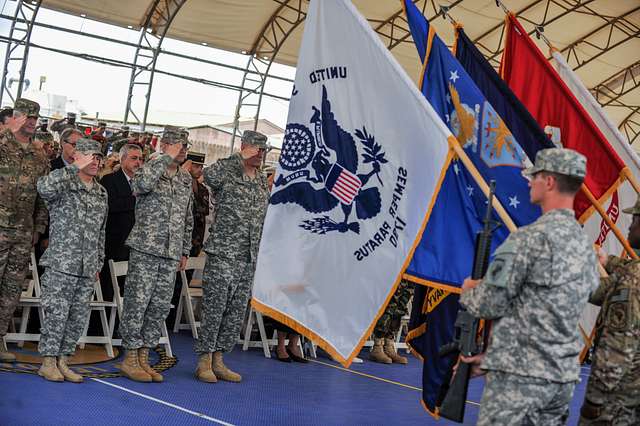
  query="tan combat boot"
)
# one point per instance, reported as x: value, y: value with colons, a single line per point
x: 49, y: 370
x: 204, y: 373
x: 390, y: 351
x: 68, y: 374
x: 5, y: 355
x: 377, y: 352
x: 221, y: 371
x: 143, y: 359
x: 131, y: 368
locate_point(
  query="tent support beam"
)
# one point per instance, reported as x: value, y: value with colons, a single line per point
x: 18, y: 50
x: 157, y: 21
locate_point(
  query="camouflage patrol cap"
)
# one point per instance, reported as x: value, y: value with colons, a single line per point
x: 89, y: 146
x: 635, y: 209
x: 27, y: 107
x: 196, y: 157
x: 254, y: 138
x: 559, y: 160
x: 171, y: 136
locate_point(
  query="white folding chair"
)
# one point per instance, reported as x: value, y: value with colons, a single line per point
x: 118, y: 269
x: 29, y: 298
x: 264, y: 341
x: 99, y: 304
x: 188, y: 292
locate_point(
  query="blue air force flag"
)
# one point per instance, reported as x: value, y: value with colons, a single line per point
x: 362, y: 160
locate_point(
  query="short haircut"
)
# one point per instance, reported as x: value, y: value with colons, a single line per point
x: 66, y: 134
x: 566, y: 184
x: 4, y: 114
x: 124, y: 151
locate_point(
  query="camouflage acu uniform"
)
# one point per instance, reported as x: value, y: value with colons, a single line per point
x: 22, y: 212
x: 232, y: 248
x: 160, y: 237
x: 613, y: 391
x: 75, y: 253
x: 535, y: 290
x: 389, y: 323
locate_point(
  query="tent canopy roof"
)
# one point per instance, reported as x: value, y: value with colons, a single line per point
x: 599, y: 38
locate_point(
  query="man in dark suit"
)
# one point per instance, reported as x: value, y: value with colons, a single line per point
x: 120, y: 220
x: 121, y: 217
x: 68, y: 139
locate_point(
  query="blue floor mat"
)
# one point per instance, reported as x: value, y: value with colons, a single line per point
x: 272, y: 393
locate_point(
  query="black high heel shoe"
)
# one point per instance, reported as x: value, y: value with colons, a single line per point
x: 283, y: 359
x: 296, y: 358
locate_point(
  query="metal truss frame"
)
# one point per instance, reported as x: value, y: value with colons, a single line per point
x: 286, y: 18
x: 18, y: 50
x: 630, y: 125
x: 393, y: 30
x: 617, y: 85
x: 158, y: 19
x: 567, y: 6
x: 619, y: 29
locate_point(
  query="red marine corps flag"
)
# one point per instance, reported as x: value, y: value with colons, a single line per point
x: 555, y: 108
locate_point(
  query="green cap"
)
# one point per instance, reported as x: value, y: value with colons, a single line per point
x: 27, y: 107
x: 254, y: 138
x: 89, y: 146
x: 559, y: 160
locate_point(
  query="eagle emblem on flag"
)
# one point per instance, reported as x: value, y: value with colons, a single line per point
x: 319, y: 172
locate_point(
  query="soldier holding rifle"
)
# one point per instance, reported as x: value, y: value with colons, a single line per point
x: 534, y: 291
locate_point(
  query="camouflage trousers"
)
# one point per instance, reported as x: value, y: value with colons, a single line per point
x: 613, y: 391
x: 389, y: 323
x: 148, y: 288
x: 509, y: 399
x: 15, y: 249
x: 226, y: 290
x: 65, y: 302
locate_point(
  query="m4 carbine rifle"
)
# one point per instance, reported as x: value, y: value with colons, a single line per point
x: 453, y: 393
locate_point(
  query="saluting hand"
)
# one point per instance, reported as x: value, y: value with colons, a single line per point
x: 249, y: 151
x: 602, y: 257
x: 82, y: 160
x: 173, y: 150
x: 186, y: 166
x: 14, y: 124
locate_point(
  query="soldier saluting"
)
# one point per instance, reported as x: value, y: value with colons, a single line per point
x: 160, y: 242
x: 534, y: 290
x: 23, y: 215
x: 78, y: 211
x: 241, y: 195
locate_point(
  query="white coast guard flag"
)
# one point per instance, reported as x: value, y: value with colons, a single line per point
x: 362, y: 159
x: 625, y: 196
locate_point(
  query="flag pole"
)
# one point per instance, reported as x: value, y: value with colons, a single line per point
x: 477, y: 177
x: 631, y: 178
x: 592, y: 199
